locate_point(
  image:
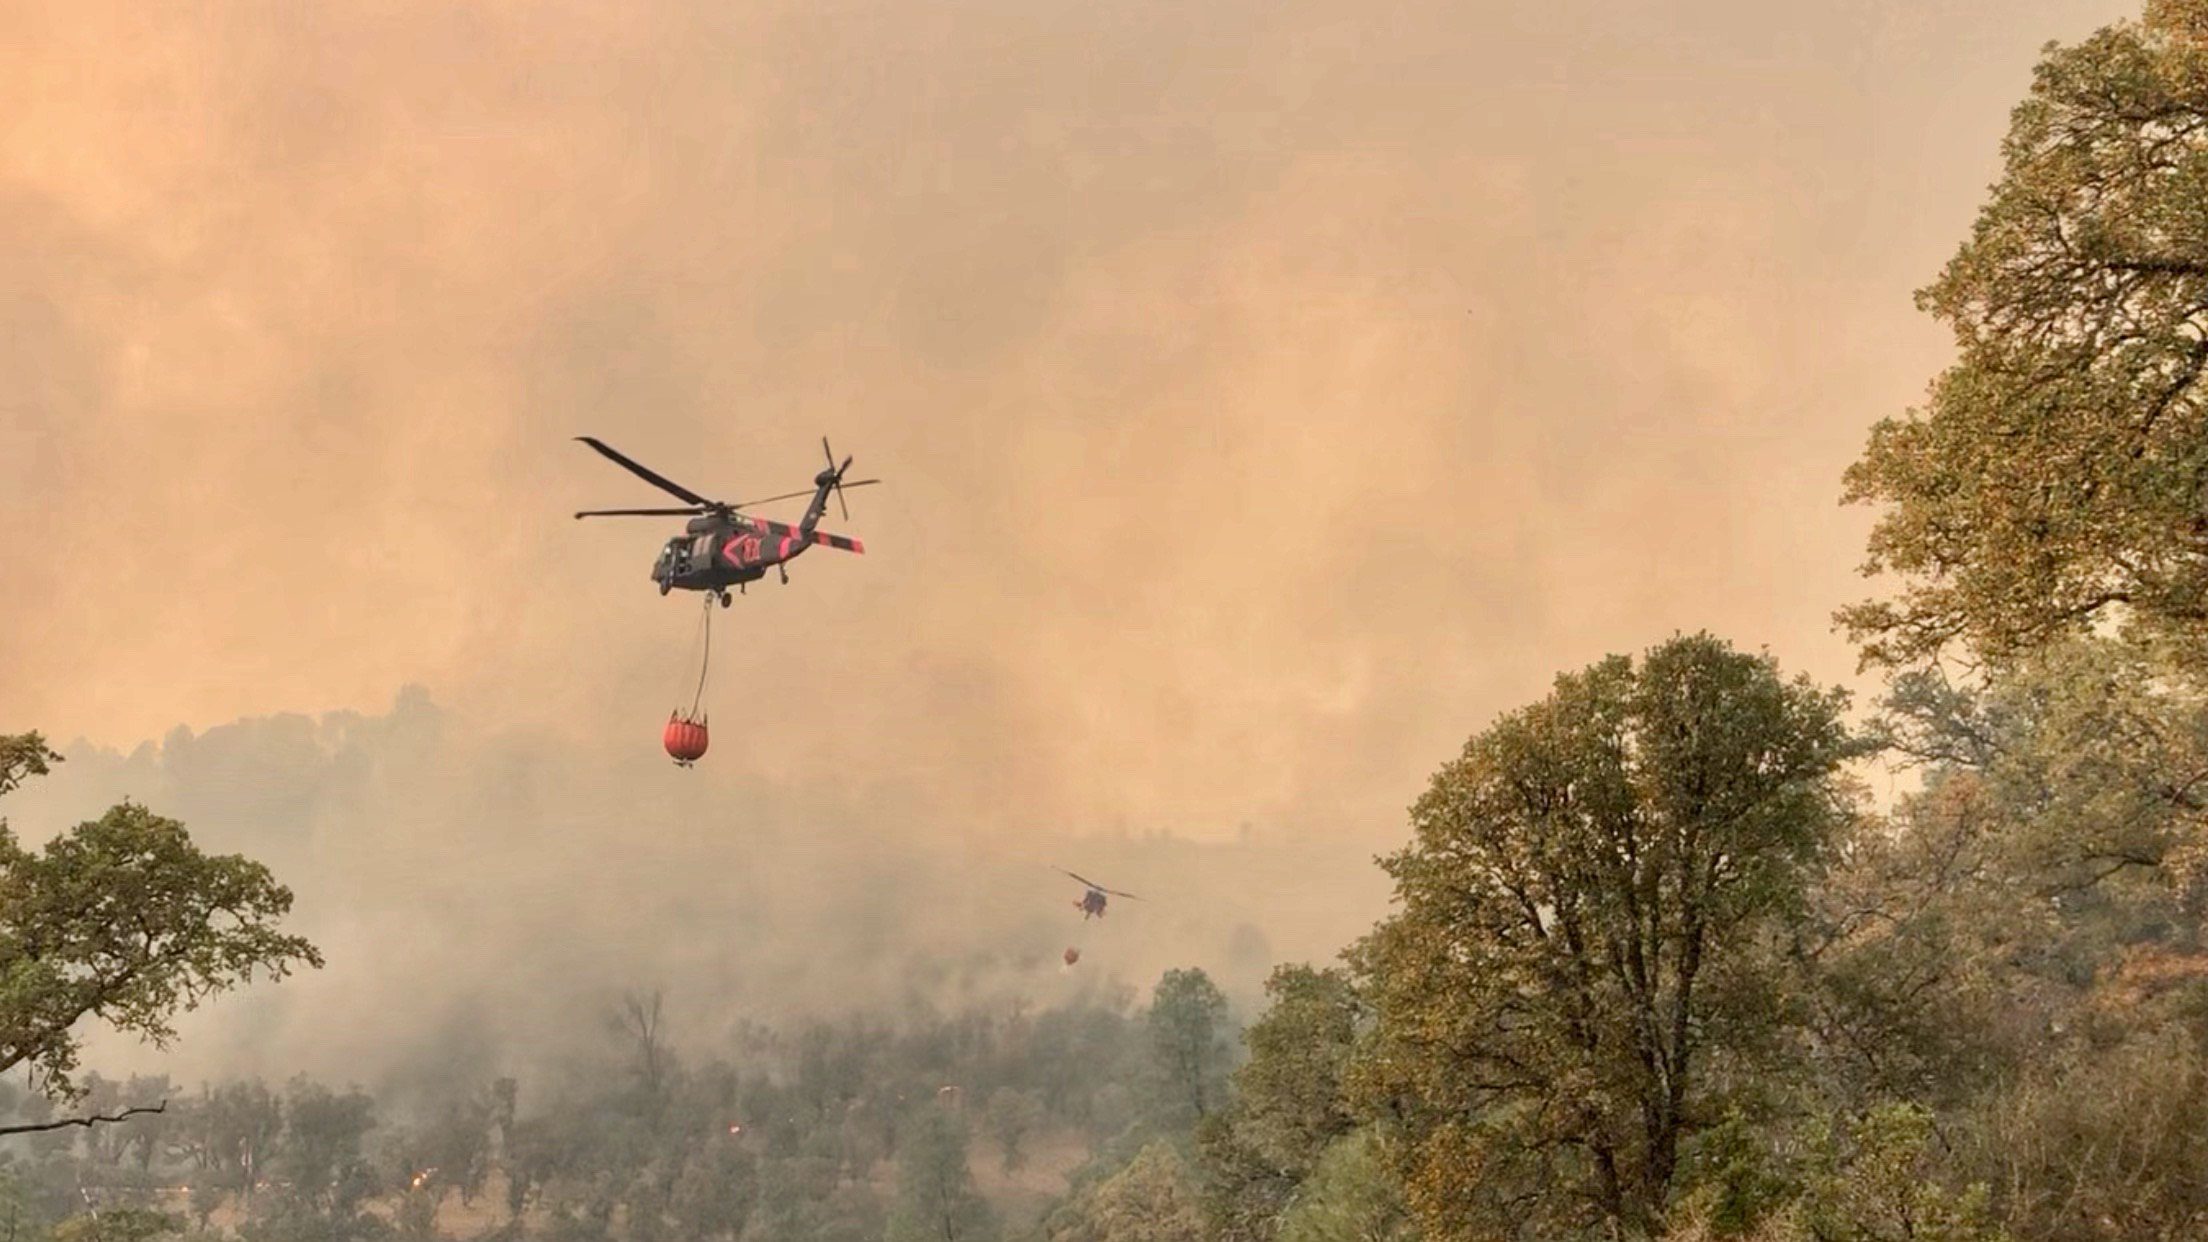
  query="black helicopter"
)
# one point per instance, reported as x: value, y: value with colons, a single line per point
x: 722, y: 548
x: 1092, y: 903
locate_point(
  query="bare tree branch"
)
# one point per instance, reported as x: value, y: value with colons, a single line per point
x: 86, y: 1122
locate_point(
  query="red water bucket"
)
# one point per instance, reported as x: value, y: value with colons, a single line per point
x: 685, y: 739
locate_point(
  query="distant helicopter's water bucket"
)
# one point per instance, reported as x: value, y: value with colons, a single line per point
x: 685, y: 739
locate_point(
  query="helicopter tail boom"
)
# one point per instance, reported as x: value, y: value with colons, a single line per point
x: 786, y: 531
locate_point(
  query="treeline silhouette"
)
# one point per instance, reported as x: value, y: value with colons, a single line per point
x: 818, y: 1130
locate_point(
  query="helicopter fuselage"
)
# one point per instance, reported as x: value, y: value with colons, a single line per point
x: 714, y: 554
x: 711, y: 556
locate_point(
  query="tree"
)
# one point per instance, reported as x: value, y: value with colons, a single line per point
x: 936, y: 1200
x: 2059, y: 472
x: 124, y: 920
x: 1880, y: 1190
x: 639, y: 1022
x: 457, y: 1145
x: 1289, y: 1102
x: 323, y: 1151
x: 18, y: 1218
x: 2097, y: 748
x: 2105, y: 1138
x: 1150, y: 1200
x: 1586, y: 963
x: 1188, y: 1046
x: 2033, y: 955
x: 1013, y: 1114
x: 1352, y: 1196
x: 149, y: 1135
x: 713, y: 1197
x: 118, y: 1225
x: 229, y: 1135
x: 23, y: 756
x: 533, y: 1155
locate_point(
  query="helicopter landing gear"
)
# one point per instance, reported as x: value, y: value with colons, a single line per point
x: 725, y: 600
x: 665, y: 587
x: 785, y: 572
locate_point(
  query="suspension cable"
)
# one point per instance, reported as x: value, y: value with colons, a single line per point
x: 705, y: 660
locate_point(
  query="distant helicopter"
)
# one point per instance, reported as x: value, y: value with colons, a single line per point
x: 722, y: 548
x: 1092, y: 903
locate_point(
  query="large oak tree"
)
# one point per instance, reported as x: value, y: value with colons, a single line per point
x: 123, y: 921
x: 2058, y: 473
x: 1584, y: 970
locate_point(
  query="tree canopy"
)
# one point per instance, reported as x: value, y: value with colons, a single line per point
x: 2058, y: 473
x: 125, y: 921
x: 1585, y: 906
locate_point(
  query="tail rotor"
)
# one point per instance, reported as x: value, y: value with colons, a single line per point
x: 835, y: 475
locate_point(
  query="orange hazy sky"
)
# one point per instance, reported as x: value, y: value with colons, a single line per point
x: 1268, y: 393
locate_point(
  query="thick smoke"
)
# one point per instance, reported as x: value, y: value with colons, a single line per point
x: 1268, y: 393
x: 483, y: 895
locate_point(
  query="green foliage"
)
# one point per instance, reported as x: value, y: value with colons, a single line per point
x: 324, y: 1154
x: 1583, y: 962
x: 2051, y: 847
x: 118, y: 1225
x: 1012, y: 1116
x: 1188, y: 1047
x: 1735, y: 1180
x: 452, y: 1150
x: 296, y: 1222
x: 936, y: 1200
x: 1101, y: 1042
x: 2100, y: 746
x: 802, y: 1198
x: 125, y: 920
x: 1289, y: 1102
x: 416, y: 1216
x: 1881, y: 1190
x: 230, y: 1136
x: 1351, y: 1196
x: 20, y: 1218
x: 1150, y: 1199
x: 713, y: 1196
x: 22, y: 756
x: 2106, y: 1138
x: 2060, y: 469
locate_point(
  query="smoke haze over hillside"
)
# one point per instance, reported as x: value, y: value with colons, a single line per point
x: 483, y: 895
x: 1267, y: 395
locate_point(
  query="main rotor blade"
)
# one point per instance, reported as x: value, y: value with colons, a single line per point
x: 768, y: 500
x: 641, y: 512
x: 1091, y: 883
x: 640, y: 471
x: 1116, y: 893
